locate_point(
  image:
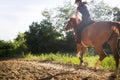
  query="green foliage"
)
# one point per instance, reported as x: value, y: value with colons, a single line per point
x: 71, y: 47
x: 6, y: 48
x: 116, y: 14
x: 91, y: 60
x: 17, y: 48
x: 48, y: 14
x: 63, y: 14
x: 108, y: 63
x: 91, y: 51
x: 42, y: 37
x: 20, y: 44
x: 100, y: 11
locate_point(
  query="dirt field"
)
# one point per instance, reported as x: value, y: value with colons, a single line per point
x: 20, y: 69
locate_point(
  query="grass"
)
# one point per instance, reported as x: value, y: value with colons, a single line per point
x: 108, y: 63
x: 65, y: 58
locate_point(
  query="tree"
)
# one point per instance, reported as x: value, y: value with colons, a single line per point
x: 20, y: 44
x: 49, y: 35
x: 47, y: 14
x: 100, y: 11
x: 59, y: 16
x: 116, y: 14
x: 63, y: 15
x: 41, y: 37
x: 6, y: 48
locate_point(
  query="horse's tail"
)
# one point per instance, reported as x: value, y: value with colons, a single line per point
x: 116, y: 28
x: 118, y: 47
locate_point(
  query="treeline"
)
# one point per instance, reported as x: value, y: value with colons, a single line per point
x: 41, y: 38
x: 49, y: 35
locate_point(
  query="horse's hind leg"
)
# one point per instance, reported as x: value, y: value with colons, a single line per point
x: 113, y: 46
x: 101, y: 55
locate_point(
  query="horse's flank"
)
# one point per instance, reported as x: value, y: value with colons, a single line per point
x: 96, y: 33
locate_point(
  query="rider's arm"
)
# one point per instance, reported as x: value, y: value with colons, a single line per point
x: 76, y: 15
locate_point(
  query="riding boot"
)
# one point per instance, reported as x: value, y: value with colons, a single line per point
x: 78, y: 29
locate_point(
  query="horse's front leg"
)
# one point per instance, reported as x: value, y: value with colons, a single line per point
x: 80, y: 57
x: 80, y: 52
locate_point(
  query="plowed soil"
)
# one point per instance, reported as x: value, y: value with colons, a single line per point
x: 21, y: 69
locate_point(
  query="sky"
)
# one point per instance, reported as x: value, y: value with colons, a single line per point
x: 17, y: 15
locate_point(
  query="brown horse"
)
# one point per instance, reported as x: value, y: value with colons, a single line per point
x: 96, y: 35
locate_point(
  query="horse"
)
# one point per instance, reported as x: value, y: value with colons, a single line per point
x: 96, y: 35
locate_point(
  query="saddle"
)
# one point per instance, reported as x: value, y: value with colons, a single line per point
x: 81, y: 28
x: 89, y: 23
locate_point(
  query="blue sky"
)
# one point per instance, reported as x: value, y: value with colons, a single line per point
x: 17, y: 15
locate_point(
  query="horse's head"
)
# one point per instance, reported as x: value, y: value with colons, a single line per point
x: 71, y: 23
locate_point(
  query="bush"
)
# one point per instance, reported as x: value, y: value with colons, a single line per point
x: 6, y: 48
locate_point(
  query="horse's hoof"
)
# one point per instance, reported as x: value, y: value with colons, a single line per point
x: 96, y: 69
x: 79, y: 67
x: 113, y: 75
x: 85, y: 64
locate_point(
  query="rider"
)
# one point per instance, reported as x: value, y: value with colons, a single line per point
x: 82, y: 8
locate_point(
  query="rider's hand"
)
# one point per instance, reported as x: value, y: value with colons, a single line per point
x: 78, y: 21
